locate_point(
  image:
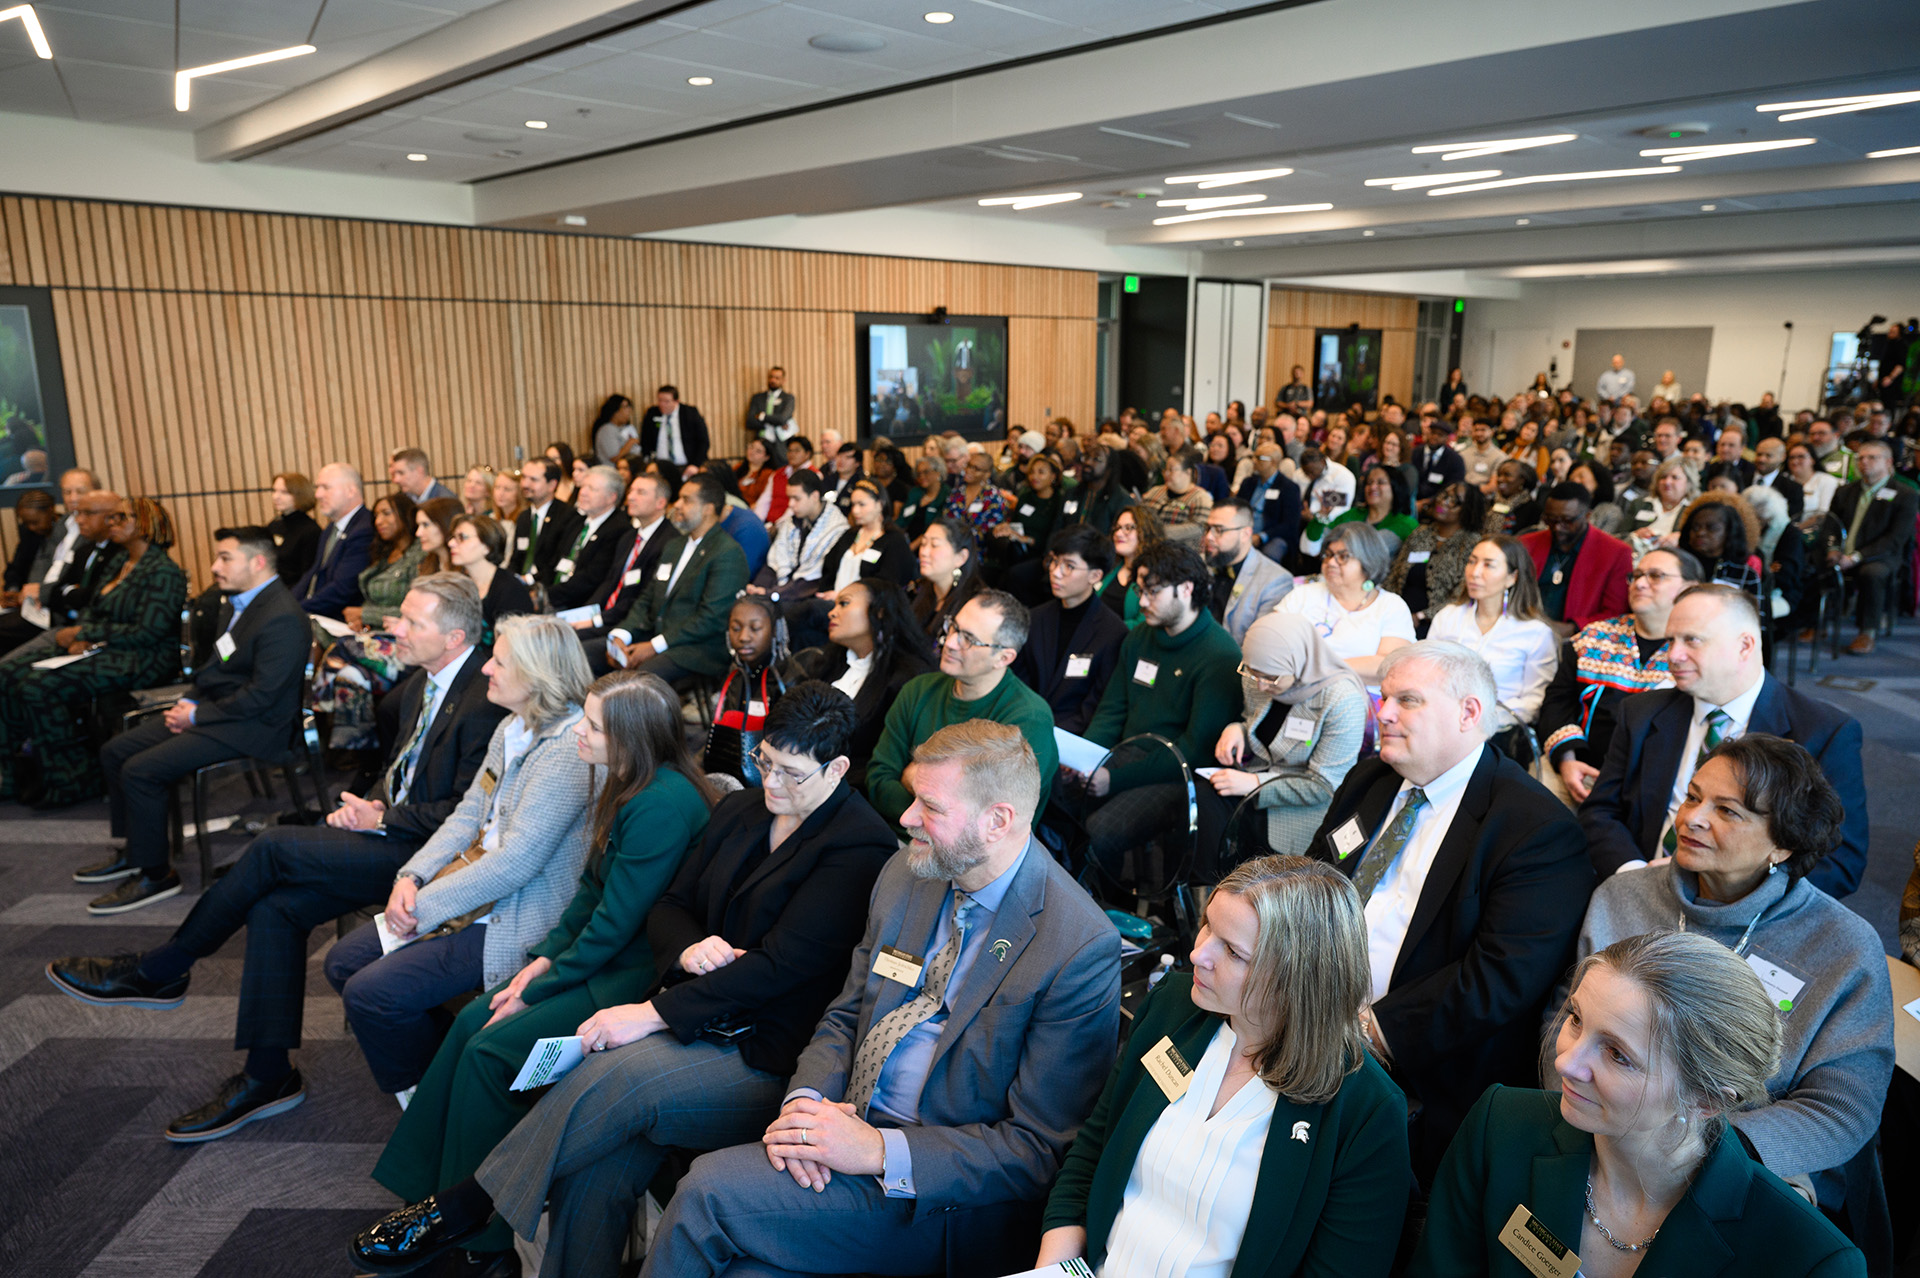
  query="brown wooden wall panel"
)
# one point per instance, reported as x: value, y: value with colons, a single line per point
x: 1294, y: 313
x: 205, y: 350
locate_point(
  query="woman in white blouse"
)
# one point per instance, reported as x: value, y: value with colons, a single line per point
x: 1818, y: 485
x: 1360, y: 621
x: 1245, y: 1130
x: 1497, y: 614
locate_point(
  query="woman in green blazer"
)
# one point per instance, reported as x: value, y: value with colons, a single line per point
x: 1632, y: 1167
x: 653, y: 805
x: 1221, y: 1147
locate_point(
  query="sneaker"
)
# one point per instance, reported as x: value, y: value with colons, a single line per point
x: 136, y: 893
x: 114, y: 982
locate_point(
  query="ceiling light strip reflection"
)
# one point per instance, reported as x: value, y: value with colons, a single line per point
x: 1259, y: 212
x: 1208, y: 181
x: 31, y: 21
x: 183, y: 80
x: 1815, y: 107
x: 1020, y: 203
x: 1554, y: 177
x: 1497, y: 146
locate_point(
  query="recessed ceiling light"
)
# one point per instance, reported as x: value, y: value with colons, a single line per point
x: 1473, y: 150
x: 1415, y: 183
x: 1020, y: 203
x: 1213, y: 213
x: 1207, y: 181
x: 1238, y: 243
x: 416, y: 157
x: 1554, y: 177
x: 1368, y: 234
x: 35, y: 36
x: 183, y: 80
x: 939, y: 19
x: 1716, y: 150
x: 1522, y: 221
x: 1889, y: 154
x: 1837, y: 106
x: 573, y: 219
x: 1194, y: 202
x: 700, y: 81
x: 536, y: 124
x: 1708, y: 208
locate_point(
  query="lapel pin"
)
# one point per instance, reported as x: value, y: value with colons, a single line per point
x: 1300, y: 1130
x: 1000, y: 949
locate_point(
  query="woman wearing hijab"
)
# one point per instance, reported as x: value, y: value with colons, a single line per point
x: 1306, y: 712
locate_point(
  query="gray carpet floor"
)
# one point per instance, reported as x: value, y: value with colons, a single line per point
x: 88, y: 1187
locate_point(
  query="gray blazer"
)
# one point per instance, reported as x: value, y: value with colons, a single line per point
x: 544, y: 800
x: 1026, y: 1047
x: 1261, y: 584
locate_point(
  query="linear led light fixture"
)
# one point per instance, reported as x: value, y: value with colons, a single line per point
x: 1415, y: 183
x: 31, y: 22
x: 1208, y: 181
x: 1213, y: 213
x: 1474, y: 150
x: 183, y: 80
x: 1554, y: 177
x: 1020, y: 203
x: 1890, y: 153
x: 1717, y: 150
x: 1194, y: 203
x: 1837, y: 106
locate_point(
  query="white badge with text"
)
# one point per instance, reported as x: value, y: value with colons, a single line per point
x: 892, y: 964
x: 1167, y: 1067
x: 1079, y: 667
x: 1146, y: 672
x: 225, y: 646
x: 1348, y: 838
x: 1297, y: 728
x: 1782, y: 986
x: 1542, y: 1253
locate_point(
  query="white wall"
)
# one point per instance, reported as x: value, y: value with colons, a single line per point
x: 1506, y: 342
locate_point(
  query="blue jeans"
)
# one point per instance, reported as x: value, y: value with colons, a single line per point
x: 392, y: 1001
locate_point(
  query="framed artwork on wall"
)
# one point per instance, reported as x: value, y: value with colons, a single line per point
x: 36, y: 437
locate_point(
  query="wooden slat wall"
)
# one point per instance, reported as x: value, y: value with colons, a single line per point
x: 205, y: 350
x: 1294, y: 313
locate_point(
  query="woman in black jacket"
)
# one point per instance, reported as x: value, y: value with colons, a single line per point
x: 296, y: 538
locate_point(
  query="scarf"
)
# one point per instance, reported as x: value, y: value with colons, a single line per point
x: 1283, y: 643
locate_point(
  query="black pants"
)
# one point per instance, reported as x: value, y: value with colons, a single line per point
x: 290, y: 880
x: 16, y: 630
x: 1871, y: 583
x: 141, y: 766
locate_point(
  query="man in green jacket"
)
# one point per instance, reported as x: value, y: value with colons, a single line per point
x: 1178, y: 678
x: 678, y: 627
x: 976, y: 649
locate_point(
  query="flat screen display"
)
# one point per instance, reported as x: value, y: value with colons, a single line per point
x: 35, y: 439
x: 918, y: 378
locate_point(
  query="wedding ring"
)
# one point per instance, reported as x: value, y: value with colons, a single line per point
x: 804, y: 1138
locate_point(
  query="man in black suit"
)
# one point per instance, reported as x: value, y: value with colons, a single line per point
x: 294, y: 878
x: 1073, y: 640
x: 333, y: 583
x: 770, y: 413
x: 546, y: 526
x: 1769, y: 469
x: 1475, y: 881
x: 1721, y: 690
x: 1875, y: 520
x: 635, y: 556
x: 70, y: 584
x: 241, y: 703
x: 583, y: 570
x: 1728, y: 461
x: 678, y: 625
x: 673, y: 432
x: 1275, y: 501
x: 1437, y: 462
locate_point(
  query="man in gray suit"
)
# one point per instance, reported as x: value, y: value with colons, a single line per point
x: 1244, y: 584
x: 946, y: 1082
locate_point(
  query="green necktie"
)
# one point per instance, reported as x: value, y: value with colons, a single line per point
x: 1373, y: 867
x: 1859, y: 518
x: 533, y: 525
x: 1717, y: 721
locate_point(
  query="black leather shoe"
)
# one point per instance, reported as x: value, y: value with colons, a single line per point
x: 241, y: 1100
x: 114, y: 982
x: 135, y: 893
x: 114, y: 867
x: 407, y: 1240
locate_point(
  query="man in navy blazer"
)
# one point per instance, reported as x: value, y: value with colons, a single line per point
x: 333, y: 583
x: 927, y: 1121
x: 1719, y: 675
x: 1275, y: 502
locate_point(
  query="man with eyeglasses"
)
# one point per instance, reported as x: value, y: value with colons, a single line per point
x: 81, y: 565
x: 1582, y: 571
x: 1275, y: 502
x: 1073, y: 640
x: 1244, y: 584
x: 1177, y: 678
x: 977, y: 649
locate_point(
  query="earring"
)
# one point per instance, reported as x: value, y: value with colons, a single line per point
x: 1366, y: 586
x: 1506, y: 597
x: 957, y: 574
x: 1772, y: 868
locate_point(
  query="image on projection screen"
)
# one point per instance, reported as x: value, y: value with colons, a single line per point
x: 23, y: 412
x: 923, y: 378
x: 1649, y: 353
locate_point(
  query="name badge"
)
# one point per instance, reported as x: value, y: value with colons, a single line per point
x: 758, y: 709
x: 1071, y: 508
x: 890, y: 964
x: 489, y: 782
x: 1348, y: 838
x: 909, y: 510
x: 976, y: 507
x: 1146, y: 672
x: 1167, y: 1067
x: 1502, y: 508
x: 1296, y: 728
x: 1781, y: 985
x: 871, y: 555
x: 1079, y: 667
x: 1019, y: 529
x: 1480, y: 466
x: 1645, y: 516
x: 225, y: 646
x: 521, y: 544
x: 1419, y: 556
x: 1542, y: 1253
x: 631, y: 577
x: 1433, y: 477
x: 664, y: 573
x: 1885, y: 494
x: 564, y: 567
x: 1028, y: 508
x: 1273, y: 494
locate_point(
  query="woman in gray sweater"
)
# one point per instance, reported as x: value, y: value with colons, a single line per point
x: 1757, y: 816
x: 496, y: 875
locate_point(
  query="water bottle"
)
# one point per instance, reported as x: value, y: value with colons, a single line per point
x: 1159, y: 973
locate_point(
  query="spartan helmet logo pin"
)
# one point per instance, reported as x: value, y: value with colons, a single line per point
x: 1000, y: 949
x: 1300, y: 1130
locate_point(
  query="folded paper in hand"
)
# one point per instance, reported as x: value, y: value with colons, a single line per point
x: 54, y: 663
x: 389, y: 939
x: 338, y: 629
x: 549, y: 1059
x: 1075, y: 1268
x: 1078, y: 753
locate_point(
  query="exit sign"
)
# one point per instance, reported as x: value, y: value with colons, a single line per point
x: 1130, y: 284
x: 1459, y: 305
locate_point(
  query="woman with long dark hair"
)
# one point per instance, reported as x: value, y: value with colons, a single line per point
x: 874, y: 645
x: 613, y: 431
x: 949, y: 573
x: 763, y: 482
x: 432, y: 521
x: 562, y: 452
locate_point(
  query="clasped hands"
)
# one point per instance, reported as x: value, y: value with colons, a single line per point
x: 812, y: 1139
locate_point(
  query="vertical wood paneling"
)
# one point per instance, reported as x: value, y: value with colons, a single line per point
x: 1293, y: 314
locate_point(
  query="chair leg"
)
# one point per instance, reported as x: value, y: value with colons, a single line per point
x: 200, y: 835
x: 176, y: 834
x: 293, y: 787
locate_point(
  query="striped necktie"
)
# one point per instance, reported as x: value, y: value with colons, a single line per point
x: 894, y: 1027
x: 1373, y: 867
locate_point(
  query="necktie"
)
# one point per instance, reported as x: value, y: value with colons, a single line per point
x: 533, y: 539
x: 894, y: 1027
x: 620, y: 582
x: 1859, y: 518
x: 1373, y: 867
x: 326, y: 552
x: 1717, y: 723
x: 400, y: 775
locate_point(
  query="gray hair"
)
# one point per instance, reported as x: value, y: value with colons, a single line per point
x: 1373, y: 548
x: 997, y: 764
x: 609, y: 477
x: 548, y: 656
x: 1770, y: 505
x: 1462, y: 673
x: 456, y: 602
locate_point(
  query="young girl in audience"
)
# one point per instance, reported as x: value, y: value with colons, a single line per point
x: 1497, y: 614
x: 1360, y: 622
x: 391, y: 566
x: 1208, y: 1174
x: 757, y: 642
x: 356, y: 670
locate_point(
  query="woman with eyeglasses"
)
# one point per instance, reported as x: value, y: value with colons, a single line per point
x: 1134, y: 529
x: 1427, y: 568
x: 1607, y: 661
x: 1359, y: 620
x: 975, y: 501
x: 477, y: 546
x: 752, y: 940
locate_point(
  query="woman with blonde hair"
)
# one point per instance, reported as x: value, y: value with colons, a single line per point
x: 1654, y: 520
x: 1191, y: 1162
x: 476, y: 490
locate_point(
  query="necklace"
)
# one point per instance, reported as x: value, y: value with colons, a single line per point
x: 1604, y: 1233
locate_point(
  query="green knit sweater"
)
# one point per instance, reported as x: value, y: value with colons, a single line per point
x: 928, y: 704
x: 1194, y: 695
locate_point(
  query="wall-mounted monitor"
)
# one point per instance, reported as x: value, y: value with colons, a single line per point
x: 36, y: 439
x: 918, y: 376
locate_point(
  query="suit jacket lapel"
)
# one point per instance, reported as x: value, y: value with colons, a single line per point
x: 775, y: 858
x: 922, y: 911
x: 1013, y: 923
x: 1660, y: 763
x: 1770, y: 710
x: 1369, y: 812
x: 694, y: 561
x: 1456, y: 849
x: 1557, y: 1187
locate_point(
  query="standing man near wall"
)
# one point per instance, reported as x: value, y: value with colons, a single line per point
x: 770, y: 413
x: 1617, y: 382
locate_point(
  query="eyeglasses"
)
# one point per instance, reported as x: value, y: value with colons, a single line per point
x: 951, y: 631
x: 1335, y: 558
x: 786, y: 778
x: 1221, y: 530
x: 118, y: 516
x: 1263, y: 681
x: 1644, y: 574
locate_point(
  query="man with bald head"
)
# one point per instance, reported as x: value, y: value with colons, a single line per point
x: 82, y: 561
x: 1770, y: 469
x: 333, y: 583
x: 1721, y: 690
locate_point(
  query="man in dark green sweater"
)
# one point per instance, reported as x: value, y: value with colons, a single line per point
x: 1178, y: 678
x: 972, y: 683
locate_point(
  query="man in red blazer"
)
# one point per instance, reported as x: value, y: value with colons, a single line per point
x: 1583, y: 571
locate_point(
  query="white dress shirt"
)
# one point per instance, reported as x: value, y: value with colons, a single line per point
x: 1819, y: 490
x: 1740, y: 709
x: 1390, y: 909
x: 858, y: 668
x: 1523, y: 655
x: 667, y: 444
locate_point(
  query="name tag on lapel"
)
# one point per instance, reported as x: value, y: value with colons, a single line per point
x: 897, y: 965
x: 489, y: 782
x: 1348, y: 838
x: 631, y: 577
x: 1297, y: 728
x: 521, y: 544
x: 663, y: 573
x: 1027, y: 509
x: 564, y: 567
x: 1167, y: 1067
x: 1079, y: 667
x: 1885, y: 494
x: 909, y: 510
x: 1071, y: 508
x: 1542, y: 1253
x: 225, y: 646
x: 871, y: 556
